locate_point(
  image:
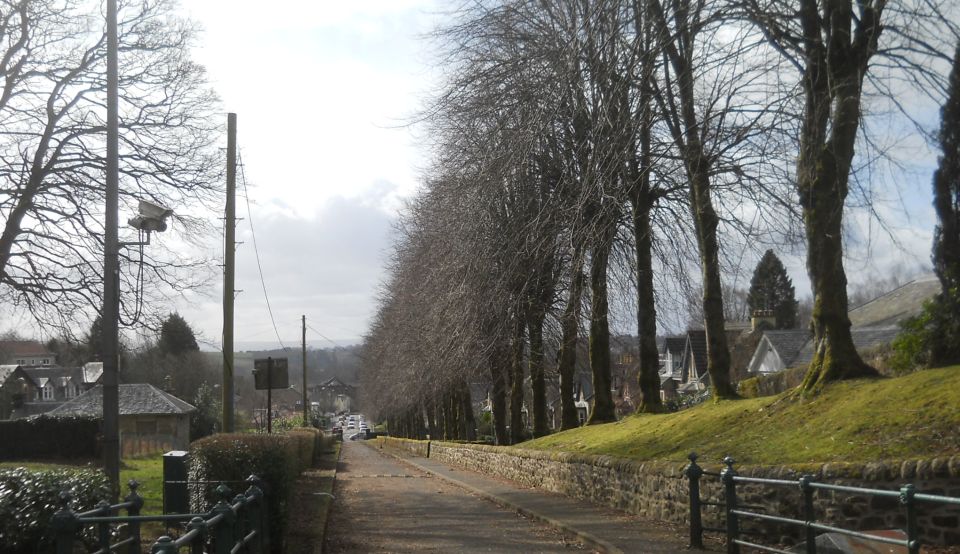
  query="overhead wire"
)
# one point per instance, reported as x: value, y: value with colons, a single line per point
x: 256, y: 251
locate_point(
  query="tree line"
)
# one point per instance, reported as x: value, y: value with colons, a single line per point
x: 584, y: 149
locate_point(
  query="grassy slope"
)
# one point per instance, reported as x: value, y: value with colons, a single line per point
x: 915, y: 416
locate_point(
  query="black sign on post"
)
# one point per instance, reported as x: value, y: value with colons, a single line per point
x: 269, y: 374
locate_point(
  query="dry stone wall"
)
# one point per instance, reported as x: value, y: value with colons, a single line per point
x: 660, y: 490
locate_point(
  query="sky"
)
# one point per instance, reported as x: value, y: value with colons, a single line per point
x: 323, y: 93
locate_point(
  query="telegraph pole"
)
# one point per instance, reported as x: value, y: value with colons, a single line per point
x: 306, y: 407
x: 229, y: 265
x: 111, y: 285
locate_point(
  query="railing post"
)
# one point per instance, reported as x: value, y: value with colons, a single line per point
x: 808, y: 514
x: 103, y: 528
x: 730, y: 498
x: 262, y: 522
x: 240, y: 525
x: 693, y: 473
x: 64, y: 525
x: 223, y: 533
x: 196, y: 546
x: 164, y: 545
x: 913, y: 533
x: 255, y: 515
x: 136, y: 504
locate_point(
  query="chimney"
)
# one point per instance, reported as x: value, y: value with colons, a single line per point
x: 763, y: 319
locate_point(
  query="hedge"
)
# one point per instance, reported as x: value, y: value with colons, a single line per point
x: 277, y: 459
x: 46, y: 438
x: 29, y: 498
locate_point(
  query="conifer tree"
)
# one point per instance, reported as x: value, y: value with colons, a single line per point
x: 176, y: 336
x: 944, y: 347
x: 772, y: 289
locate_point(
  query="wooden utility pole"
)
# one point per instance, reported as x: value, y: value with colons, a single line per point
x: 111, y: 267
x: 229, y: 265
x: 306, y: 406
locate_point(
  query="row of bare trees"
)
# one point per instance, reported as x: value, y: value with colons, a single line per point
x: 576, y: 140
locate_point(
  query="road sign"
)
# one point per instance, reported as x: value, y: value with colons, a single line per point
x: 267, y: 377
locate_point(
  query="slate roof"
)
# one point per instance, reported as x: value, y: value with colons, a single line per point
x: 24, y: 348
x: 5, y: 371
x: 864, y: 339
x: 697, y: 340
x: 674, y: 345
x: 59, y: 375
x: 893, y: 307
x: 788, y: 343
x: 135, y: 399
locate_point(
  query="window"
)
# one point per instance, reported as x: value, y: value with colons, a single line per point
x: 45, y: 361
x: 48, y: 392
x: 21, y: 361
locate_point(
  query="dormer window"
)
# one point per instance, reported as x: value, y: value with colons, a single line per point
x: 47, y: 392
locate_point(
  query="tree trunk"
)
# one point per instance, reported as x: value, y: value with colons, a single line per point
x: 649, y: 379
x: 498, y: 395
x: 832, y: 88
x: 537, y: 381
x: 517, y: 428
x: 567, y: 365
x: 466, y: 407
x: 604, y: 410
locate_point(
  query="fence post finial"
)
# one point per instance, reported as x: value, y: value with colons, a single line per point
x: 64, y: 524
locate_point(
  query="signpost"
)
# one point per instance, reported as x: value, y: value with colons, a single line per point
x: 269, y: 374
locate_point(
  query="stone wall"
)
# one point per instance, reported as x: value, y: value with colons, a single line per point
x: 660, y: 490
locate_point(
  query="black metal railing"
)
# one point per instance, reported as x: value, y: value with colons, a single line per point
x: 733, y: 510
x: 232, y: 526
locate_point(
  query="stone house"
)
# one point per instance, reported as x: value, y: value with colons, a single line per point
x: 27, y: 353
x: 151, y: 420
x: 27, y: 391
x: 333, y: 395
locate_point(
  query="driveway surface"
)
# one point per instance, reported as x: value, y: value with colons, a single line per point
x: 384, y: 505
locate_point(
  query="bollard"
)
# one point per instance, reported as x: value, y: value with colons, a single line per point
x: 913, y: 533
x: 693, y: 473
x: 730, y: 497
x: 810, y: 534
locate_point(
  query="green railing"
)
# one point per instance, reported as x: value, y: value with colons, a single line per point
x: 907, y: 496
x: 232, y: 526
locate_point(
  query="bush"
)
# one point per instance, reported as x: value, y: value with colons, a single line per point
x: 307, y: 445
x: 231, y: 458
x: 930, y: 339
x: 29, y: 498
x: 47, y: 438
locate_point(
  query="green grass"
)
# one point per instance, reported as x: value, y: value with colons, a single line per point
x: 914, y: 416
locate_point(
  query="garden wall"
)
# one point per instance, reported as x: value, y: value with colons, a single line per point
x: 660, y: 490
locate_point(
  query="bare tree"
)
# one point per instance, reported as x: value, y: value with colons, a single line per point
x: 52, y: 139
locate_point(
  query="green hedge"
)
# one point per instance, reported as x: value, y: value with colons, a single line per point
x: 46, y: 438
x: 231, y: 458
x: 307, y: 445
x: 29, y: 498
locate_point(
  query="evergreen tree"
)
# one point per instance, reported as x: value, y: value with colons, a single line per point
x: 771, y: 289
x: 945, y: 335
x: 176, y: 336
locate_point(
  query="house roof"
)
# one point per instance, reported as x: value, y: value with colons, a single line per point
x: 893, y: 307
x: 92, y: 372
x: 787, y: 343
x: 60, y: 375
x: 864, y: 339
x: 696, y: 346
x: 24, y: 348
x: 5, y: 371
x: 135, y: 399
x: 674, y: 345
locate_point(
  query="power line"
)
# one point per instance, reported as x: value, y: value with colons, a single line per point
x: 323, y: 336
x: 256, y: 251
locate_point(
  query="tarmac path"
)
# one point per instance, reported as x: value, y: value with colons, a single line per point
x: 384, y: 505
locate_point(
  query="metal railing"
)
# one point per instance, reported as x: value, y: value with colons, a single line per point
x: 232, y: 526
x: 733, y: 510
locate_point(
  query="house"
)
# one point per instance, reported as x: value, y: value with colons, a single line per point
x: 693, y: 363
x: 27, y: 353
x: 671, y: 354
x: 151, y: 420
x: 333, y: 395
x: 777, y: 350
x: 30, y: 391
